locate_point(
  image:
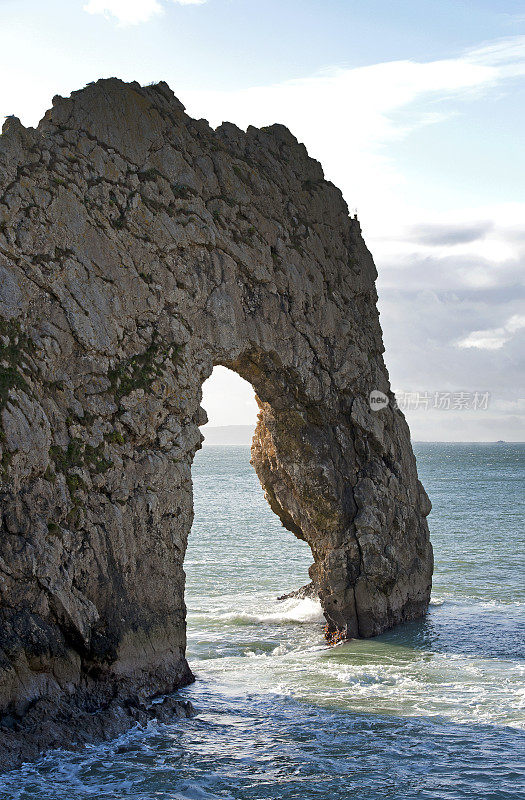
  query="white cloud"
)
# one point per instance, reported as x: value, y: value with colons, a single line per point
x: 508, y: 55
x: 348, y: 117
x: 126, y: 12
x: 495, y: 338
x: 132, y: 12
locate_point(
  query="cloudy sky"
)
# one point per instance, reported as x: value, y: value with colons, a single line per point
x: 416, y: 108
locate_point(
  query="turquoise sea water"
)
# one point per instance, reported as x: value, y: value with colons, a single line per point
x: 434, y: 709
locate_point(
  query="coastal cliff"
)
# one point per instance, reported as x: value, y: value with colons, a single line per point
x: 139, y: 248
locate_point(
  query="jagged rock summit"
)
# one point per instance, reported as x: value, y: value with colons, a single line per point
x: 138, y: 249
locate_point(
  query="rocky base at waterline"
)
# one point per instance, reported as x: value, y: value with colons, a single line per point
x: 71, y: 724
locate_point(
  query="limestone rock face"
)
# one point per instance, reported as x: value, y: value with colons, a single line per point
x: 138, y: 249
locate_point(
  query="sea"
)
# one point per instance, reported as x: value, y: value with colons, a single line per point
x: 433, y: 709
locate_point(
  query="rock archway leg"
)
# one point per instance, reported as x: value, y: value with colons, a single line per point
x: 334, y: 478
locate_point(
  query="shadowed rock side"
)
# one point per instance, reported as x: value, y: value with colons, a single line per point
x: 138, y: 249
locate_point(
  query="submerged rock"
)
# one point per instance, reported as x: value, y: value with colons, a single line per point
x: 138, y: 249
x: 309, y: 591
x: 75, y: 721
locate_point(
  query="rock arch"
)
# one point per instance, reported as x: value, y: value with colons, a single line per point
x: 138, y: 249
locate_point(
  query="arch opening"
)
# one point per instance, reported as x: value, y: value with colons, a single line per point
x: 242, y: 568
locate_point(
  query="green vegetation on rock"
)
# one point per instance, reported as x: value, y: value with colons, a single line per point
x: 139, y: 371
x: 13, y: 344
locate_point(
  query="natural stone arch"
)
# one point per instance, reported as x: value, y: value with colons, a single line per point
x: 138, y: 249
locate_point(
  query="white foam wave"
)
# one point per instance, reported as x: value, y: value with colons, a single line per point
x: 289, y: 611
x: 455, y: 599
x: 456, y: 687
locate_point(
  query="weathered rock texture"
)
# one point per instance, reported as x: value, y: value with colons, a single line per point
x: 138, y: 249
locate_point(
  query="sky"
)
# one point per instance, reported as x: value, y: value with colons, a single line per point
x: 416, y: 109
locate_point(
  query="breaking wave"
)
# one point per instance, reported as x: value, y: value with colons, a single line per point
x: 289, y: 611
